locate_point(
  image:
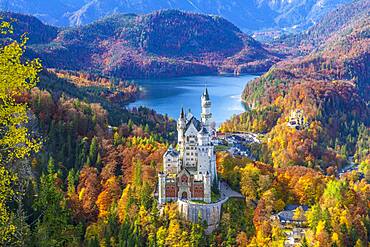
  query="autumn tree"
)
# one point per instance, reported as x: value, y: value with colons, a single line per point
x: 17, y: 77
x: 254, y: 181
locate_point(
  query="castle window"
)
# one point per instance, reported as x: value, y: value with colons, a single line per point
x: 184, y: 179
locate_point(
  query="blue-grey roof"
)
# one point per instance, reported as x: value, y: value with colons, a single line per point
x: 205, y: 94
x: 288, y: 213
x: 203, y: 131
x: 196, y: 122
x: 171, y: 152
x: 294, y: 206
x: 182, y: 114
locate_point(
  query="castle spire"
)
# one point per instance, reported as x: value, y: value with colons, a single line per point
x: 205, y: 94
x: 182, y: 114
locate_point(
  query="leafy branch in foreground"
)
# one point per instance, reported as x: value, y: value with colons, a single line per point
x: 17, y: 77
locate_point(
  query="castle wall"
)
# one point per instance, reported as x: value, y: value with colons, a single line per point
x: 211, y: 213
x: 171, y: 190
x: 198, y: 190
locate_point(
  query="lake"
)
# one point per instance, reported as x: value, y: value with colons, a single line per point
x: 167, y: 96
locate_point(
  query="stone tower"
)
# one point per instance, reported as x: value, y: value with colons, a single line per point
x: 206, y: 110
x: 207, y: 188
x: 161, y: 188
x: 204, y: 145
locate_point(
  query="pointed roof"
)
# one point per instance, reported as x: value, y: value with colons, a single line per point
x: 205, y: 94
x: 195, y: 122
x: 171, y: 152
x: 184, y: 171
x: 203, y: 131
x: 182, y: 114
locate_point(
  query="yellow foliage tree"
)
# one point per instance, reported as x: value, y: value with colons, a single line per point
x: 16, y: 78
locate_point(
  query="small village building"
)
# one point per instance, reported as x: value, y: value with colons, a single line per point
x: 297, y: 120
x: 293, y: 223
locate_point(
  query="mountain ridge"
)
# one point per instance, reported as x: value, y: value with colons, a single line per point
x: 164, y: 43
x: 315, y: 37
x: 246, y: 15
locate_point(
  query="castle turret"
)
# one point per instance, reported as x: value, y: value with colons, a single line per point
x: 181, y: 124
x: 161, y: 188
x: 213, y: 165
x: 203, y: 137
x: 171, y: 161
x: 207, y: 188
x: 203, y: 150
x: 206, y: 110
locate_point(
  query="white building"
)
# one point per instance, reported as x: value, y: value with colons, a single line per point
x: 190, y: 170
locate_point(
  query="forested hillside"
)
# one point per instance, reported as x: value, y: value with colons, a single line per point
x: 316, y: 36
x: 330, y: 85
x: 161, y: 44
x: 35, y: 30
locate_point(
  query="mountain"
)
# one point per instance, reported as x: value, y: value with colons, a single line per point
x: 36, y: 31
x: 161, y: 44
x: 344, y: 56
x: 247, y: 15
x: 329, y: 87
x: 339, y: 51
x: 316, y: 36
x: 337, y: 19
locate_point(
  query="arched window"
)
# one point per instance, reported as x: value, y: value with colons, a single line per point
x: 184, y: 179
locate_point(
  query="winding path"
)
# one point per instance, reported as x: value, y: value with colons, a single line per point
x: 226, y: 192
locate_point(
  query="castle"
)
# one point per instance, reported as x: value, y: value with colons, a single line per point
x: 297, y: 120
x: 190, y: 170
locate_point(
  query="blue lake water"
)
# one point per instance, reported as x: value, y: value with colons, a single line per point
x: 167, y: 96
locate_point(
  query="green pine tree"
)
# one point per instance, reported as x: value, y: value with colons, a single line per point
x: 54, y: 227
x: 93, y: 153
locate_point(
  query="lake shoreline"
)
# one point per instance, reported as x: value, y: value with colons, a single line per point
x: 167, y: 96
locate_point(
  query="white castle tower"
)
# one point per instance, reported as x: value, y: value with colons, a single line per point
x: 161, y: 188
x: 181, y: 125
x: 206, y: 114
